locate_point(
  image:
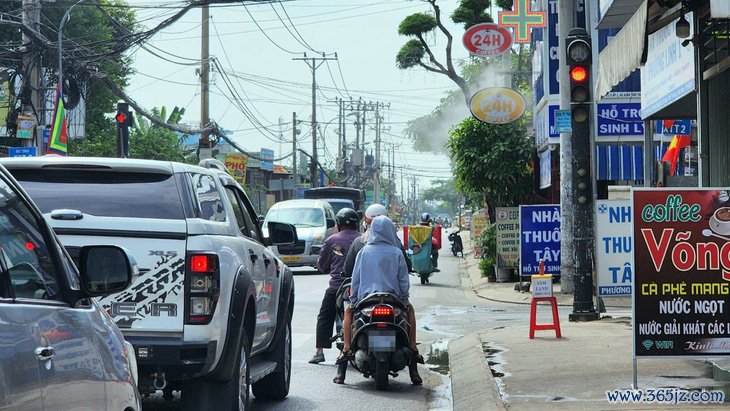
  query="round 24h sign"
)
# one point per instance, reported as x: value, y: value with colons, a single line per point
x: 487, y: 39
x: 497, y: 105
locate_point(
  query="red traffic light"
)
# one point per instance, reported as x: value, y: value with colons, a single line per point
x: 578, y: 73
x: 121, y: 118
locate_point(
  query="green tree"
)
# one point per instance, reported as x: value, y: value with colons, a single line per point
x: 417, y: 53
x: 94, y: 41
x: 493, y: 161
x: 444, y: 194
x: 148, y: 141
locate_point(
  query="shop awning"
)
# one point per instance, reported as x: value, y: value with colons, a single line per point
x: 624, y: 53
x: 615, y: 13
x: 614, y: 162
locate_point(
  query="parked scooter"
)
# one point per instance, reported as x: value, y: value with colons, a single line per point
x: 456, y: 245
x: 380, y: 338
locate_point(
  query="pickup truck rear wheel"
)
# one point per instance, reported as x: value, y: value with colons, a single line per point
x: 204, y: 394
x: 275, y: 386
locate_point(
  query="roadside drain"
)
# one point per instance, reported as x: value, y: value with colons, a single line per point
x: 438, y: 359
x: 491, y: 354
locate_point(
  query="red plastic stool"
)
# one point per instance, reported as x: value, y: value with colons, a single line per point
x: 533, y: 316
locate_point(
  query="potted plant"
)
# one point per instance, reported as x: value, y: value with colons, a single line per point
x: 488, y: 246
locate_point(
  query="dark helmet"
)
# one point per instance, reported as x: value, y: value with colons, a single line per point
x: 425, y: 218
x: 348, y: 217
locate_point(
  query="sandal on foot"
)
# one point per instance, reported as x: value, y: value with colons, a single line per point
x: 318, y: 358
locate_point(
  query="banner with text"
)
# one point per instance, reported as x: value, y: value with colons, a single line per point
x: 236, y: 166
x: 682, y: 272
x: 508, y: 236
x: 539, y: 239
x: 614, y: 248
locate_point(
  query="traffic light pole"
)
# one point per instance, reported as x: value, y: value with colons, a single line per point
x: 566, y: 13
x: 578, y: 53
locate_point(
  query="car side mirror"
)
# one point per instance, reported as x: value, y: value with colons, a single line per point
x: 105, y: 270
x: 331, y: 223
x: 282, y: 233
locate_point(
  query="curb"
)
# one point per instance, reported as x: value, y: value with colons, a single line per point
x: 472, y: 384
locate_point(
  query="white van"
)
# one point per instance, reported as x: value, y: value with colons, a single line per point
x: 315, y: 221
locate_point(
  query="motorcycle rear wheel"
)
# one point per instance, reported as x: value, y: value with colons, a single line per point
x: 381, y: 375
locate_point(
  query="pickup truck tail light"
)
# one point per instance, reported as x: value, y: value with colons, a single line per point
x: 202, y: 287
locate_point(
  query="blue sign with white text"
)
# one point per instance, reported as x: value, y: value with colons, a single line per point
x: 267, y: 159
x: 563, y: 121
x: 554, y: 43
x: 619, y: 119
x: 22, y: 151
x: 552, y: 131
x: 539, y: 239
x: 674, y: 127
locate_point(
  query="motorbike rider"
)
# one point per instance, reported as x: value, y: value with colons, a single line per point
x: 380, y: 266
x: 435, y: 240
x: 331, y: 260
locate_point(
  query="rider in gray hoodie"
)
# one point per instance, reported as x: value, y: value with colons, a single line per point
x: 380, y: 267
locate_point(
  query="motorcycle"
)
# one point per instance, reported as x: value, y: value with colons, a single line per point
x: 456, y: 245
x: 380, y: 338
x: 417, y: 240
x: 342, y: 295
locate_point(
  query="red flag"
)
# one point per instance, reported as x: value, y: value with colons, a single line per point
x: 672, y: 154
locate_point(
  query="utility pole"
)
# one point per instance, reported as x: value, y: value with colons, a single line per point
x: 376, y: 182
x: 566, y: 18
x: 204, y: 143
x: 34, y: 106
x: 314, y: 63
x: 295, y: 156
x: 281, y: 134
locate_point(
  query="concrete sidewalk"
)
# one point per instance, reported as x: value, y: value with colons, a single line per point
x: 573, y: 372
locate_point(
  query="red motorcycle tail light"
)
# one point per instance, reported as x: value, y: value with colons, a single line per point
x: 382, y: 311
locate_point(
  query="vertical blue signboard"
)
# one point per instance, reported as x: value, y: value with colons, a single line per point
x: 539, y: 239
x: 553, y: 43
x: 614, y: 248
x: 267, y: 159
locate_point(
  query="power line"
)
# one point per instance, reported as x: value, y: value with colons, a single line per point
x: 266, y: 35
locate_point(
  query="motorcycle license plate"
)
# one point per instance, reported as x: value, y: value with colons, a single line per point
x: 289, y: 259
x: 379, y: 341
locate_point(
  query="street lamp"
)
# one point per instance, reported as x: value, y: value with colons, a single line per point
x: 65, y: 18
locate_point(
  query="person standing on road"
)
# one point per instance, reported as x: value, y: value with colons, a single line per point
x: 332, y: 260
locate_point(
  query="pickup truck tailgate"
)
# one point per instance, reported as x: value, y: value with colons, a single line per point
x: 155, y: 301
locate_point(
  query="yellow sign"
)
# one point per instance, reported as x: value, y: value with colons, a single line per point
x: 26, y: 124
x: 497, y: 105
x: 236, y: 166
x: 4, y: 101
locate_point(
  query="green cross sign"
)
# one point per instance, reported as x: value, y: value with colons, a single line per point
x: 522, y: 18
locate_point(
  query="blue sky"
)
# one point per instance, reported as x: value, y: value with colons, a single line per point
x: 254, y: 46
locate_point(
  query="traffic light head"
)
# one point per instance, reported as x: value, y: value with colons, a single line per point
x: 124, y: 116
x: 578, y: 55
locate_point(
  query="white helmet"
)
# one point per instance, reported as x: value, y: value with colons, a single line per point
x: 373, y: 211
